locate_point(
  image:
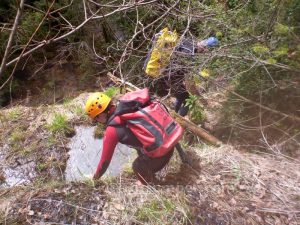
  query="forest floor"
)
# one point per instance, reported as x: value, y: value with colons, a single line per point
x: 223, y: 185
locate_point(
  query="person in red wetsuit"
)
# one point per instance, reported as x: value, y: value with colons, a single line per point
x: 100, y: 107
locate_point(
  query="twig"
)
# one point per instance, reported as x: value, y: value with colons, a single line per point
x: 64, y: 7
x: 134, y: 36
x: 5, y: 192
x: 71, y: 26
x: 265, y: 107
x: 24, y: 49
x: 94, y: 50
x: 47, y: 42
x: 277, y: 211
x: 260, y: 123
x: 279, y: 65
x: 84, y: 9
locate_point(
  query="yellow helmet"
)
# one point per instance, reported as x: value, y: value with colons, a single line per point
x: 96, y: 104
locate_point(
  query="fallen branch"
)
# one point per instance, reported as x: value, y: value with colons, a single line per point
x: 5, y: 192
x: 200, y: 132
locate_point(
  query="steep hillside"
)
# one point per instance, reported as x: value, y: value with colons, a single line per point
x: 222, y: 185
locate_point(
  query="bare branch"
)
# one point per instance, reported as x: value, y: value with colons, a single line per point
x: 24, y: 49
x: 46, y: 42
x: 64, y: 7
x: 71, y: 26
x: 11, y: 37
x: 265, y: 107
x: 84, y: 8
x: 94, y: 50
x: 279, y: 65
x: 134, y: 36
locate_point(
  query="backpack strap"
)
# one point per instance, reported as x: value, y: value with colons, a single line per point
x: 151, y: 118
x: 111, y: 122
x: 167, y: 129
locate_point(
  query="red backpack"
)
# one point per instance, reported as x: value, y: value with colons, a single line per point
x: 149, y: 121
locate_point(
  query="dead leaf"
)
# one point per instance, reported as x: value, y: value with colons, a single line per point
x: 105, y: 215
x: 256, y: 201
x: 31, y: 213
x: 245, y: 210
x: 256, y: 172
x: 242, y: 187
x: 277, y: 221
x: 214, y: 205
x: 262, y: 193
x: 205, y: 73
x: 119, y: 207
x: 22, y: 210
x: 232, y: 202
x: 218, y: 177
x: 257, y: 186
x: 47, y: 216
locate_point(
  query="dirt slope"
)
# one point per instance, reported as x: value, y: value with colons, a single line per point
x: 223, y: 186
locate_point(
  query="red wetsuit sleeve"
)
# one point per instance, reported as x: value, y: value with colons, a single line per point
x: 110, y: 140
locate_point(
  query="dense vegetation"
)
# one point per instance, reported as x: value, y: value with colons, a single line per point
x: 258, y: 56
x: 245, y: 91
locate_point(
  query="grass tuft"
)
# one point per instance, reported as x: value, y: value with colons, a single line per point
x: 14, y: 114
x: 60, y: 125
x: 155, y: 210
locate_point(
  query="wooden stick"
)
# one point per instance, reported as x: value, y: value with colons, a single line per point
x: 200, y: 132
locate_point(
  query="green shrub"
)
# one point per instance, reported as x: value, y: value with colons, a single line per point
x: 28, y: 25
x: 196, y: 111
x: 281, y: 29
x: 260, y: 49
x: 112, y: 91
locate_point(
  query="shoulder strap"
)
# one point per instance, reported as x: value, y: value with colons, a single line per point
x: 111, y: 122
